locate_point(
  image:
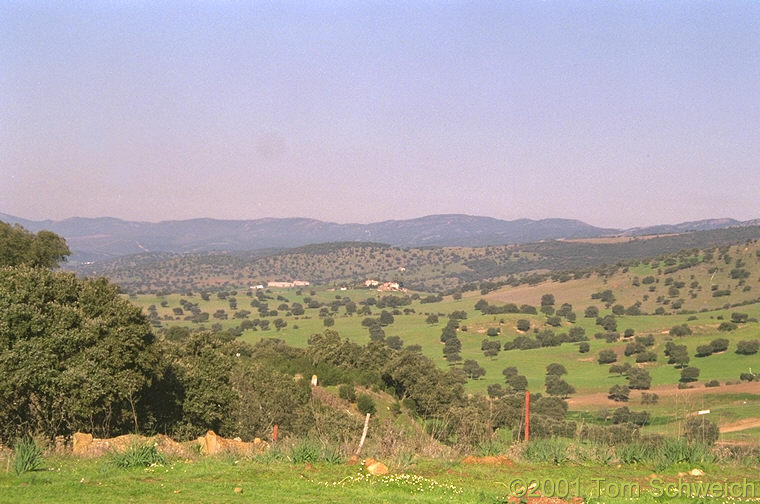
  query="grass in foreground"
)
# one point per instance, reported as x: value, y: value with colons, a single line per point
x: 215, y: 480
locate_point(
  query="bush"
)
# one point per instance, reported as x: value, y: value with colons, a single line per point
x: 712, y: 383
x: 624, y: 415
x: 583, y: 347
x: 704, y: 350
x: 347, y: 392
x: 27, y: 456
x: 558, y: 387
x: 365, y: 404
x: 639, y: 379
x: 689, y: 374
x: 619, y: 368
x: 649, y: 398
x: 305, y: 451
x: 137, y: 455
x: 646, y: 357
x: 550, y: 450
x: 747, y: 347
x: 556, y: 369
x: 619, y: 393
x: 554, y: 321
x: 747, y: 377
x: 675, y: 451
x: 700, y: 430
x: 680, y: 330
x: 719, y: 345
x: 607, y: 356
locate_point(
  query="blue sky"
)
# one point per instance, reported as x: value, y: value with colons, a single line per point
x: 619, y: 114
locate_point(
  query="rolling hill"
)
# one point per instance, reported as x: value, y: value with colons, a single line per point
x: 100, y: 238
x: 437, y: 269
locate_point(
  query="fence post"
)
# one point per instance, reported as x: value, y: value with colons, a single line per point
x: 527, y: 415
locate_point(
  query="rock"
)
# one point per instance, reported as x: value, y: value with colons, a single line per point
x: 84, y: 445
x: 167, y: 446
x: 81, y: 443
x: 374, y: 467
x: 213, y: 444
x: 60, y: 445
x: 697, y: 472
x: 209, y: 443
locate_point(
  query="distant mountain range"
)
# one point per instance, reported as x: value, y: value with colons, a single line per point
x: 92, y: 239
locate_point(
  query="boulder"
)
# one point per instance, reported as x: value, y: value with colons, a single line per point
x: 213, y: 444
x: 81, y: 443
x: 374, y: 467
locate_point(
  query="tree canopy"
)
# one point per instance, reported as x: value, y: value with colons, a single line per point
x: 18, y: 246
x: 73, y: 354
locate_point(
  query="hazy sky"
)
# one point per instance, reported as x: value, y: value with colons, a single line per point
x: 616, y: 113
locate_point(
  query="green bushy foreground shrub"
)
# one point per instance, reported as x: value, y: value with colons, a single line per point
x: 137, y: 455
x: 27, y: 456
x: 312, y: 451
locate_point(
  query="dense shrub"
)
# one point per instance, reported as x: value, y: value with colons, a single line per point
x: 747, y: 347
x: 606, y: 356
x: 700, y: 430
x: 365, y: 404
x: 347, y: 392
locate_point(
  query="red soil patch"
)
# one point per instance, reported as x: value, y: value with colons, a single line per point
x: 489, y: 460
x: 600, y: 398
x: 740, y: 425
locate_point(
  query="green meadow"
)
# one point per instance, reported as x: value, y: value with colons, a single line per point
x: 701, y: 311
x: 229, y: 479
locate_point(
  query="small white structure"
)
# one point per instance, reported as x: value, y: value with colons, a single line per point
x: 391, y: 287
x: 285, y: 285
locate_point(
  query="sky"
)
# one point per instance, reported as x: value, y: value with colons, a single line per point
x: 619, y: 114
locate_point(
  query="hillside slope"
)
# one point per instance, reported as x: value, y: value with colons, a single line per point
x: 427, y: 269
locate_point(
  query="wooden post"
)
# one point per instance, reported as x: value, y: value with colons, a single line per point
x: 527, y: 415
x: 364, y: 435
x: 274, y: 433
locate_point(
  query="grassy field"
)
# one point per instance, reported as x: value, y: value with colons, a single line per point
x: 229, y: 479
x: 704, y: 315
